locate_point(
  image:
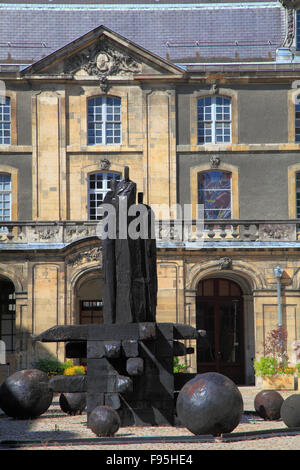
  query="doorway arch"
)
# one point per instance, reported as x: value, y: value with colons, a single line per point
x: 222, y: 309
x: 88, y: 298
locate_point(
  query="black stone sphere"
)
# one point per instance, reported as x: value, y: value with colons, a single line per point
x: 72, y: 403
x: 267, y: 404
x: 26, y: 394
x: 290, y: 411
x: 104, y: 421
x: 210, y: 403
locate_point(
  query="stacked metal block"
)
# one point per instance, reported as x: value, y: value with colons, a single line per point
x: 129, y: 367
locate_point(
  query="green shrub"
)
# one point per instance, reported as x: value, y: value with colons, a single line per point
x: 177, y: 367
x: 52, y: 366
x: 266, y: 366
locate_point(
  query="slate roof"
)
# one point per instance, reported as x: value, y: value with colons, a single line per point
x: 181, y: 33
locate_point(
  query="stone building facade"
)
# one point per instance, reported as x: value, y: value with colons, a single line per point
x: 200, y: 101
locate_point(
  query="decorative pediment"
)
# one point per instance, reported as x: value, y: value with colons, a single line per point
x: 101, y: 54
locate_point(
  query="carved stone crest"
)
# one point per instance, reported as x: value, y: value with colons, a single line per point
x: 87, y: 256
x: 102, y: 60
x: 282, y: 232
x: 225, y: 263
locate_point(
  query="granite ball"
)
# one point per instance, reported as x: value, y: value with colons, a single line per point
x: 290, y: 411
x: 26, y: 394
x: 210, y: 403
x: 267, y: 404
x: 72, y: 403
x: 104, y: 421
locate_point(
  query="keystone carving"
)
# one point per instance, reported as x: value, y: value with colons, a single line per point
x: 214, y: 161
x: 225, y: 263
x: 214, y: 89
x: 104, y: 164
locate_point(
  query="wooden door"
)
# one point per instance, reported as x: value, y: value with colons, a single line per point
x: 91, y: 312
x: 220, y: 313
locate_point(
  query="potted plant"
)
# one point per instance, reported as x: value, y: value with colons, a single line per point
x: 273, y: 368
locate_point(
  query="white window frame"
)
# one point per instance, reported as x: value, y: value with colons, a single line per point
x: 109, y: 128
x: 214, y: 121
x: 4, y: 191
x: 5, y: 124
x: 99, y: 193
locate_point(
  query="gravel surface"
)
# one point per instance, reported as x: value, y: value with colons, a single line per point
x: 54, y: 425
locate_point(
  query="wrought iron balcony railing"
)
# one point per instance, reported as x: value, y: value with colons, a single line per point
x: 44, y: 233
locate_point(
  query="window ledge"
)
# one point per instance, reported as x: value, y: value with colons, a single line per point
x: 103, y: 148
x: 237, y: 147
x: 15, y: 148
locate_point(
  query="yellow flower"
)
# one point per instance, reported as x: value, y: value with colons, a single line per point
x: 74, y: 370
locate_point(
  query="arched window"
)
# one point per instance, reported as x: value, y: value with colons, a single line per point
x: 215, y: 193
x: 214, y: 120
x: 5, y: 121
x: 99, y: 185
x: 104, y: 120
x: 5, y: 196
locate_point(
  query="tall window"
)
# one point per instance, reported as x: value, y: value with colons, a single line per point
x: 298, y: 195
x: 297, y: 120
x: 5, y: 197
x: 104, y: 120
x: 5, y: 121
x: 298, y: 30
x: 99, y: 185
x: 214, y: 120
x: 214, y: 192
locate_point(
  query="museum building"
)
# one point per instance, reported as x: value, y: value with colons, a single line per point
x: 200, y: 100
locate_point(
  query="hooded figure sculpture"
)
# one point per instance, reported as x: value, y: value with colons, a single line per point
x: 129, y: 265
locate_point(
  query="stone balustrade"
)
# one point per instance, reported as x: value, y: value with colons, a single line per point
x: 63, y: 233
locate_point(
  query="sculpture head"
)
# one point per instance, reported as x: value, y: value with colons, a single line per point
x: 126, y: 173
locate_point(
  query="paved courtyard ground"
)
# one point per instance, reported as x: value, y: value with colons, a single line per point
x: 72, y: 433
